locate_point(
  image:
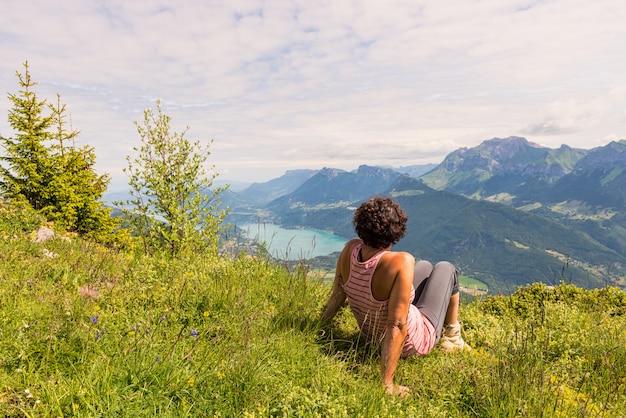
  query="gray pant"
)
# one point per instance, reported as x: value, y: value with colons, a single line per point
x: 433, y: 288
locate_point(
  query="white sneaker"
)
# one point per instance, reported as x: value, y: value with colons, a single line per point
x: 451, y: 339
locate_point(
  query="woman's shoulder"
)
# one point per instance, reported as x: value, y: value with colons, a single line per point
x: 401, y: 255
x: 399, y: 259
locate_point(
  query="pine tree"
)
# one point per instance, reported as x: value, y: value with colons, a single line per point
x: 169, y: 182
x: 27, y: 171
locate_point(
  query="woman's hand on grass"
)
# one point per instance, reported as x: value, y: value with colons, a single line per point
x: 399, y: 390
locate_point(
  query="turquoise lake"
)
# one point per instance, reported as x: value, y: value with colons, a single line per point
x: 293, y: 244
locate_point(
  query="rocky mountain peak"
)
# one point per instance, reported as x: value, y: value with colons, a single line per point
x: 611, y: 155
x: 329, y: 172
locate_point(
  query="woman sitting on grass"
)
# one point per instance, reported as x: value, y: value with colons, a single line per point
x: 401, y: 304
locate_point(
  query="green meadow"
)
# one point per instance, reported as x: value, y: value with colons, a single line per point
x: 90, y: 331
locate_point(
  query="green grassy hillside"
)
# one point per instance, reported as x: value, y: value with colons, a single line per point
x: 86, y: 331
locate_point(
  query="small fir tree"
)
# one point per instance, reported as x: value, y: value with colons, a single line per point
x: 172, y: 204
x: 76, y: 189
x: 28, y: 167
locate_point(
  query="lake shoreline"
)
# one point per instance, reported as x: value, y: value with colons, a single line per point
x: 293, y: 243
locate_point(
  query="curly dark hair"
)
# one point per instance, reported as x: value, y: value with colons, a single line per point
x: 380, y: 222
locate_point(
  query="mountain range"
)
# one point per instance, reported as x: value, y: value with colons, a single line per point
x: 507, y: 212
x: 520, y: 172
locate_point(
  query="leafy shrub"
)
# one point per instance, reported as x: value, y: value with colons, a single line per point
x: 17, y: 218
x: 172, y: 207
x: 526, y: 301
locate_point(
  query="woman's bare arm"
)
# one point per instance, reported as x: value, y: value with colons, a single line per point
x: 335, y: 301
x: 396, y: 331
x: 338, y: 297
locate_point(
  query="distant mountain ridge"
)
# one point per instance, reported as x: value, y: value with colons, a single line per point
x: 331, y: 185
x: 273, y: 189
x: 599, y: 178
x: 511, y: 165
x: 529, y: 173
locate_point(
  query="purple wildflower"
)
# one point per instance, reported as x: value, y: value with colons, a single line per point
x: 98, y: 336
x: 94, y: 319
x: 194, y: 333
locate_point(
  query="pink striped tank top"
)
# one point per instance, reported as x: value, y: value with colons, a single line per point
x: 371, y: 314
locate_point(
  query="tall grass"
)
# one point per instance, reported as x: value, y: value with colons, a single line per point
x: 85, y: 331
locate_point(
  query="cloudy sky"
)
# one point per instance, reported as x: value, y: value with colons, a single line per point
x: 283, y: 84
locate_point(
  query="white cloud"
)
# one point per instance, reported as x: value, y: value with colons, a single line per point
x: 299, y: 84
